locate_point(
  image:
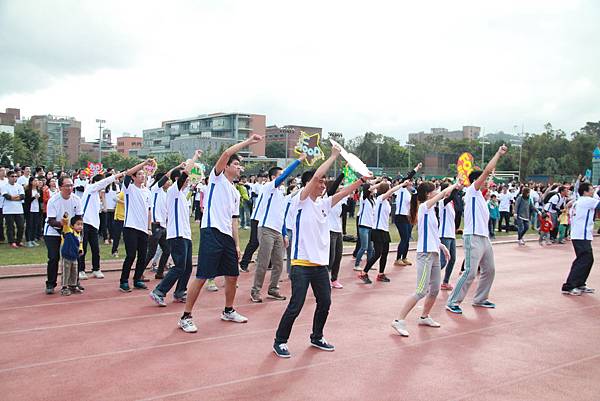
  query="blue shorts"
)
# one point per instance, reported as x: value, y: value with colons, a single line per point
x: 217, y: 255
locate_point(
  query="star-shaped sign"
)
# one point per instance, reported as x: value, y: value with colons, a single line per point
x: 309, y: 144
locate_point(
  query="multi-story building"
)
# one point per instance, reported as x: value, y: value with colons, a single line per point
x: 9, y: 119
x: 468, y: 132
x: 63, y: 135
x: 126, y: 144
x: 289, y: 134
x: 209, y: 132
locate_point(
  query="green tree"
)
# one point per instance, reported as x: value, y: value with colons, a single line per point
x: 275, y: 149
x: 7, y: 148
x: 29, y: 147
x: 170, y: 161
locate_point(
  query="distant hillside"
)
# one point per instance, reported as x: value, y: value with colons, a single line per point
x: 501, y: 136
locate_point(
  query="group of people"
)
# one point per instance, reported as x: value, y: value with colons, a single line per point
x: 301, y: 217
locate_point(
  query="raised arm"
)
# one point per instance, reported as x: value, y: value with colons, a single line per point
x: 222, y: 162
x: 433, y: 201
x: 289, y: 169
x: 347, y: 190
x: 491, y: 166
x: 321, y: 171
x: 393, y: 190
x: 335, y: 185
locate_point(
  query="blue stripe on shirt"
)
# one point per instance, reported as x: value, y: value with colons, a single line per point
x: 425, y: 232
x: 267, y: 210
x: 212, y: 188
x: 297, y: 234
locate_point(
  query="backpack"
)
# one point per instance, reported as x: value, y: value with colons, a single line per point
x: 548, y: 196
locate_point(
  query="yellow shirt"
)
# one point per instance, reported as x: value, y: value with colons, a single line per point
x: 120, y: 209
x: 68, y: 229
x: 564, y: 218
x: 302, y: 262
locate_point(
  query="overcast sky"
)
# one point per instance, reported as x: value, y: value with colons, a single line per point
x: 392, y: 67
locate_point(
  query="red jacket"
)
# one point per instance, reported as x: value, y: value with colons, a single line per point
x: 546, y: 226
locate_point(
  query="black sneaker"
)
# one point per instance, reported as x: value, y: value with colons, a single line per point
x: 244, y: 269
x: 140, y: 285
x: 275, y: 295
x: 281, y: 350
x: 80, y: 288
x: 49, y: 290
x: 322, y: 344
x: 255, y: 297
x: 365, y: 278
x: 159, y: 276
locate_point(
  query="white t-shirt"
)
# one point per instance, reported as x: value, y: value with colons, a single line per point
x: 477, y: 214
x: 178, y: 211
x: 271, y: 211
x: 91, y: 201
x: 582, y: 218
x: 80, y: 183
x: 535, y: 197
x: 403, y: 196
x: 382, y: 214
x: 35, y: 203
x: 158, y: 199
x: 221, y: 205
x: 12, y: 206
x: 334, y: 218
x: 290, y: 214
x: 257, y: 204
x: 429, y: 238
x: 447, y: 227
x: 555, y: 200
x: 505, y: 200
x: 23, y: 181
x: 57, y: 207
x: 3, y: 182
x: 111, y: 199
x: 311, y: 231
x: 137, y: 204
x: 367, y: 216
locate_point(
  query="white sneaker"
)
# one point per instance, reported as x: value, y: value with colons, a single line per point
x: 357, y: 268
x: 97, y: 274
x: 233, y: 316
x: 400, y: 327
x: 586, y: 290
x: 187, y: 325
x: 83, y: 276
x: 211, y: 286
x: 427, y: 321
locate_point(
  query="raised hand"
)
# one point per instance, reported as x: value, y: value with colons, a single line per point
x: 255, y: 138
x: 502, y: 150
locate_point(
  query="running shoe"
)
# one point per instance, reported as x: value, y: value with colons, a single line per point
x: 322, y: 344
x: 586, y: 290
x: 180, y: 300
x: 124, y: 287
x: 357, y: 268
x: 160, y: 301
x: 255, y: 297
x: 365, y: 278
x: 336, y: 284
x: 383, y: 277
x: 427, y: 321
x: 115, y: 254
x: 244, y: 269
x: 97, y: 274
x: 281, y: 350
x: 454, y: 309
x: 400, y: 327
x: 233, y: 316
x: 485, y: 304
x: 399, y: 262
x: 49, y: 290
x: 83, y: 276
x: 275, y: 295
x: 187, y: 325
x: 574, y: 291
x: 65, y: 291
x: 446, y: 287
x: 406, y: 262
x: 139, y: 285
x: 211, y: 286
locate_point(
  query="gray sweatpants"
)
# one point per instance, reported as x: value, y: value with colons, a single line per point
x: 429, y: 274
x: 478, y: 252
x: 69, y: 272
x: 270, y: 249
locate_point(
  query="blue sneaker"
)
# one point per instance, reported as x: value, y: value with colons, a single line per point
x: 485, y: 304
x: 454, y: 309
x: 140, y: 285
x: 322, y: 344
x: 124, y: 287
x: 281, y: 350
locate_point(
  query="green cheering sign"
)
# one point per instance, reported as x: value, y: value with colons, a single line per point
x: 349, y: 175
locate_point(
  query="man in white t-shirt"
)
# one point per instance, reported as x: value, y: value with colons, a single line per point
x: 310, y: 255
x: 554, y: 206
x: 505, y: 199
x: 64, y: 202
x: 477, y: 245
x: 582, y: 231
x: 136, y: 227
x: 24, y: 179
x: 3, y: 180
x: 80, y: 183
x: 13, y: 194
x: 219, y: 241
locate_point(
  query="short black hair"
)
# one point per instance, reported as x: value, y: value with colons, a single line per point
x: 307, y: 176
x: 97, y: 178
x: 474, y: 175
x: 75, y: 219
x: 175, y: 174
x: 273, y: 171
x: 62, y: 179
x: 234, y: 157
x: 583, y: 187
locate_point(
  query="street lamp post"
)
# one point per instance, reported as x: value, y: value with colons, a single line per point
x: 520, y: 145
x: 100, y: 122
x: 409, y: 145
x: 378, y: 143
x: 336, y: 136
x: 483, y: 143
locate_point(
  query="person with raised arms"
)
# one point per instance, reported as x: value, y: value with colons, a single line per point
x: 404, y: 227
x: 422, y: 212
x: 272, y: 233
x: 91, y: 222
x: 381, y: 231
x: 477, y: 245
x: 310, y: 255
x: 447, y: 230
x: 178, y: 233
x: 137, y: 225
x: 219, y: 251
x: 64, y: 203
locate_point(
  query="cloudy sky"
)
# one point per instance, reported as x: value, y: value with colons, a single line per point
x: 386, y: 66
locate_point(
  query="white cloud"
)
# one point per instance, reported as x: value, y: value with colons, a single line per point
x: 391, y: 67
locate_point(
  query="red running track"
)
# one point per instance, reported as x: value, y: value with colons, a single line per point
x: 104, y: 345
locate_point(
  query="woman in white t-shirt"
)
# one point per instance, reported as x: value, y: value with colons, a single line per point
x: 422, y: 211
x: 365, y: 225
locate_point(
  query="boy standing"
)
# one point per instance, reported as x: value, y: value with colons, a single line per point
x: 71, y: 249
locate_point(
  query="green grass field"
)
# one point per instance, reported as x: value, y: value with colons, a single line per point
x: 37, y: 255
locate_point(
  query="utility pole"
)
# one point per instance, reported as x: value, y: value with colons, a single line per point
x: 100, y: 122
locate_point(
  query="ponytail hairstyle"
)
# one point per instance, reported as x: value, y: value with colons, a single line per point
x: 383, y: 188
x: 419, y: 197
x: 366, y: 193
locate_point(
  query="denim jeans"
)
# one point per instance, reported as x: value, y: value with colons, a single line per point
x: 288, y: 251
x: 522, y: 226
x: 492, y: 227
x: 301, y: 277
x: 181, y: 252
x: 404, y: 229
x: 364, y: 235
x: 449, y: 243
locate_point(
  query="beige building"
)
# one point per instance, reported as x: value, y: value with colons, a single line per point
x: 468, y: 132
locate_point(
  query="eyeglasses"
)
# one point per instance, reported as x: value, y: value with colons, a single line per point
x: 67, y: 186
x: 12, y: 176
